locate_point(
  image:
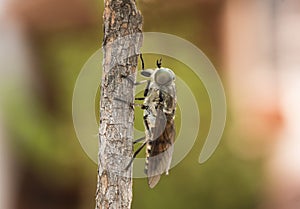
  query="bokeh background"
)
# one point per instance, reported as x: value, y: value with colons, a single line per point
x: 255, y: 47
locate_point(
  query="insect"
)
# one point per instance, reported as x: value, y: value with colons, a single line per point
x: 159, y: 112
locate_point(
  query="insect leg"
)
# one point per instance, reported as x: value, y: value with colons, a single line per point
x: 146, y: 123
x: 138, y: 140
x: 135, y: 154
x: 142, y: 106
x: 140, y: 82
x: 140, y: 98
x: 143, y: 65
x: 147, y: 88
x: 160, y: 97
x: 128, y: 78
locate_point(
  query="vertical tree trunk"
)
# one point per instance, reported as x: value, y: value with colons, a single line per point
x: 121, y: 45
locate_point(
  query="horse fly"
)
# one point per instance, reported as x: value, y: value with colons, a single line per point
x: 159, y: 112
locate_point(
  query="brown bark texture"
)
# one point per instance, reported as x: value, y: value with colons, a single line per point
x: 121, y: 46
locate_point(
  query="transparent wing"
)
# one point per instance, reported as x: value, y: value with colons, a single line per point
x: 160, y: 148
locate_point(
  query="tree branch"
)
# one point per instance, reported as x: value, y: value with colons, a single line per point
x: 121, y: 46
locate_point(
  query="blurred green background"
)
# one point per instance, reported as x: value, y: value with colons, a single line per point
x: 49, y: 169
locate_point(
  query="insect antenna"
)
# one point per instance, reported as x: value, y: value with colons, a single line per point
x: 158, y: 63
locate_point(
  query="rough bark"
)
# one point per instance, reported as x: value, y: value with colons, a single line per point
x: 121, y: 45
